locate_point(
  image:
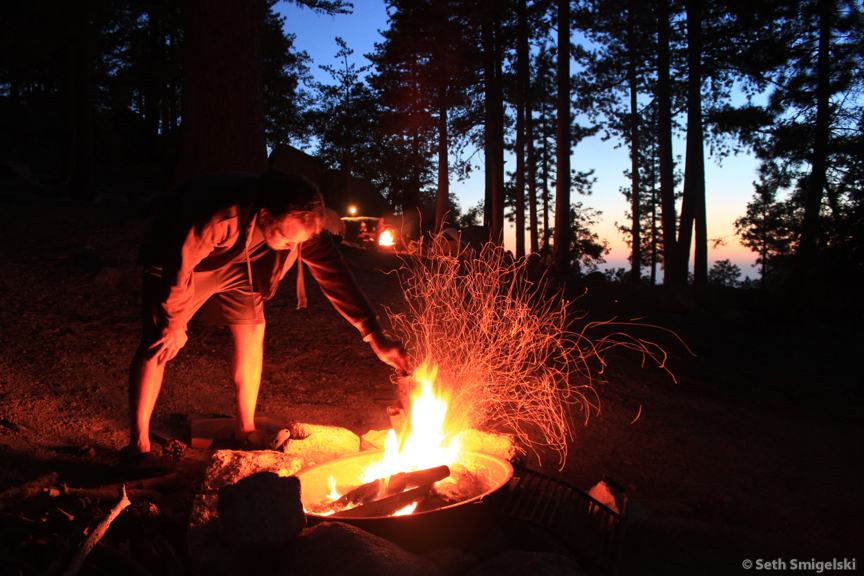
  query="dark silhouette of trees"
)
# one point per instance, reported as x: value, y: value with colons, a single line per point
x: 493, y: 48
x: 610, y: 90
x: 344, y: 118
x: 523, y: 139
x: 724, y: 273
x: 545, y: 98
x: 426, y: 77
x: 693, y: 213
x: 285, y: 72
x: 767, y: 228
x: 808, y: 137
x: 561, y: 254
x: 92, y: 94
x: 664, y: 144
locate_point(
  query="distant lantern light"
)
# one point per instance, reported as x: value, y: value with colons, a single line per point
x: 352, y: 210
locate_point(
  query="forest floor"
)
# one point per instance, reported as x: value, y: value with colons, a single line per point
x: 751, y: 454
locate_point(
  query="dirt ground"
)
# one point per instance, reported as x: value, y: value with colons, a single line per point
x: 751, y: 454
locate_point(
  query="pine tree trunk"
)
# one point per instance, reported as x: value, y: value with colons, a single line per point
x: 495, y: 109
x: 522, y: 83
x: 488, y: 40
x: 635, y: 196
x: 653, y: 235
x: 533, y: 234
x: 562, y: 140
x: 223, y: 100
x: 443, y: 193
x: 653, y: 178
x: 411, y: 198
x: 545, y: 166
x: 693, y: 204
x: 664, y: 144
x: 807, y: 247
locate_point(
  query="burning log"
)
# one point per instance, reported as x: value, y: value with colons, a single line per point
x: 388, y: 505
x: 393, y: 485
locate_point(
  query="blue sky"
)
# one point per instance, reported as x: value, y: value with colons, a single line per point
x: 728, y: 186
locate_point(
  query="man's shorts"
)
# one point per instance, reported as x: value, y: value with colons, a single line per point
x: 221, y: 297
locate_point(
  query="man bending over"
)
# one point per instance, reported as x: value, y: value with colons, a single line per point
x: 219, y: 248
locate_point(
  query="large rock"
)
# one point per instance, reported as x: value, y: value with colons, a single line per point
x: 342, y: 549
x: 316, y: 444
x: 309, y: 444
x: 492, y: 443
x: 230, y: 466
x: 261, y: 511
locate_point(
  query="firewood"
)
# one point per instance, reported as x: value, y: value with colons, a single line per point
x: 96, y: 535
x: 387, y: 505
x: 143, y: 487
x: 16, y: 494
x: 372, y: 491
x: 110, y: 493
x: 417, y: 478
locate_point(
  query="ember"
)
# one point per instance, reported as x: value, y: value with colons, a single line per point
x: 505, y: 345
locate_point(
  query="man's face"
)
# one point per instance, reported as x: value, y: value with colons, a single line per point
x: 284, y: 233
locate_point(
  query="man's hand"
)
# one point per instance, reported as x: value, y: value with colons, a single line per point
x: 388, y: 349
x: 167, y: 347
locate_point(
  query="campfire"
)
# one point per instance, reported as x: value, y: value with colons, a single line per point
x: 422, y: 467
x: 387, y: 239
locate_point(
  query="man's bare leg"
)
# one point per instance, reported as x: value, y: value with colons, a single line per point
x: 247, y: 365
x: 145, y: 381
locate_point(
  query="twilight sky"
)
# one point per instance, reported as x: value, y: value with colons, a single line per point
x: 728, y: 186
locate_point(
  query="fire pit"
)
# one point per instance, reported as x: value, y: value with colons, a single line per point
x: 419, y: 514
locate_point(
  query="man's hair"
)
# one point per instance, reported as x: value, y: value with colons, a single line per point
x: 282, y: 194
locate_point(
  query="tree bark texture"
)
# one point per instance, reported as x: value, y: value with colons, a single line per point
x: 443, y: 193
x: 635, y: 185
x: 807, y: 246
x: 522, y: 89
x: 664, y: 146
x: 562, y: 181
x: 492, y: 54
x: 223, y: 101
x: 693, y: 204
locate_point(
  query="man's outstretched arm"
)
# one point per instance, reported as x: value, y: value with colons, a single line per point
x: 338, y: 284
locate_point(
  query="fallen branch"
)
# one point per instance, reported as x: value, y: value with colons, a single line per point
x: 108, y: 493
x: 97, y: 534
x: 16, y: 494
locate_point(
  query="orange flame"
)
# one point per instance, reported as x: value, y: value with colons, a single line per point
x: 333, y: 494
x: 425, y: 442
x: 409, y: 509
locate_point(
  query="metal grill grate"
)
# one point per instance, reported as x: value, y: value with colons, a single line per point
x: 590, y: 530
